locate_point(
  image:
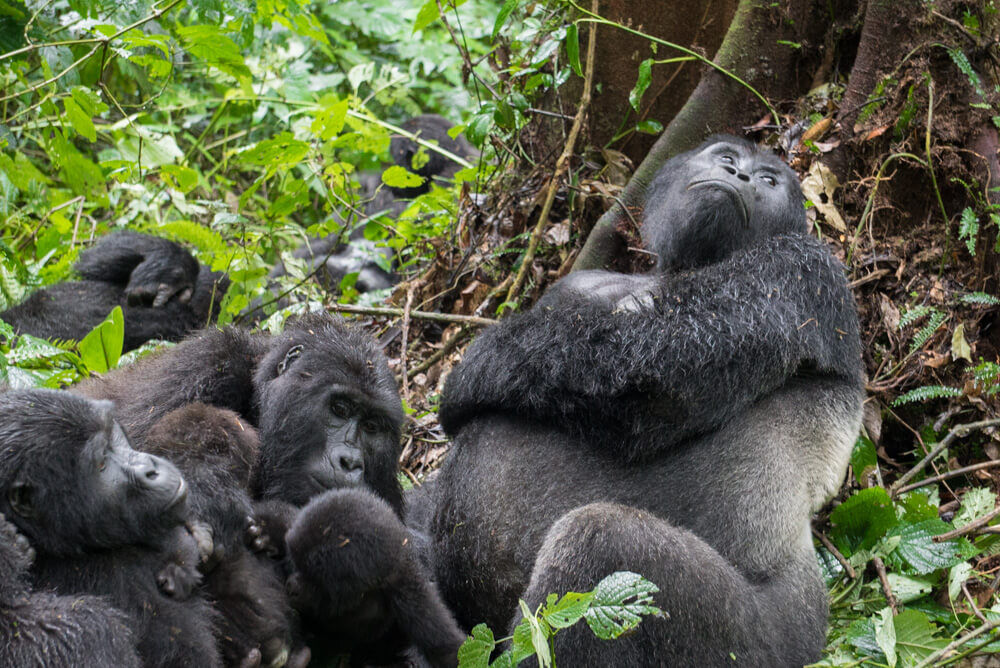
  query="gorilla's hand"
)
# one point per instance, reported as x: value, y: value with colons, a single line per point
x: 620, y: 292
x: 266, y: 530
x: 153, y: 284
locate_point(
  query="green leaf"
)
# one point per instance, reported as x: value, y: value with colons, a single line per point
x: 885, y: 635
x: 619, y: 602
x: 476, y: 650
x: 573, y: 48
x: 915, y: 637
x: 508, y: 7
x: 649, y: 127
x: 179, y: 177
x: 861, y: 634
x: 539, y: 637
x: 858, y: 523
x: 968, y: 229
x: 79, y: 120
x: 977, y: 502
x: 427, y: 15
x: 521, y: 647
x: 330, y: 118
x: 917, y: 549
x: 102, y: 347
x: 641, y: 83
x: 907, y: 589
x: 864, y: 459
x: 479, y: 126
x: 399, y: 177
x: 957, y: 576
x: 209, y: 44
x: 568, y: 611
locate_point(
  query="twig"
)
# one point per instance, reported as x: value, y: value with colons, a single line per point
x: 562, y: 163
x: 960, y: 430
x: 402, y: 348
x: 958, y: 642
x: 445, y: 349
x: 949, y: 474
x: 836, y: 554
x: 886, y: 589
x: 420, y: 315
x: 968, y: 528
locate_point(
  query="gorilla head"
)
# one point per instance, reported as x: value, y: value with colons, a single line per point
x: 432, y: 128
x: 723, y: 196
x: 70, y: 480
x: 330, y: 415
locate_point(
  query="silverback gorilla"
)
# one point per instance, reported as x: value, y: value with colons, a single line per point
x: 163, y: 291
x: 683, y: 425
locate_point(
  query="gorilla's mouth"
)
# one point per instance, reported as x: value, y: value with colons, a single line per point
x: 728, y: 188
x: 180, y: 494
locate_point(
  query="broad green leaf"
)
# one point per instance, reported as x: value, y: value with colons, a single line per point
x: 209, y: 44
x: 641, y: 83
x: 956, y: 578
x: 521, y: 647
x: 916, y: 506
x: 917, y: 549
x: 915, y: 637
x: 479, y: 126
x: 102, y: 347
x: 475, y: 651
x: 859, y: 522
x: 79, y: 120
x: 885, y: 635
x: 573, y: 48
x: 649, y: 127
x: 861, y: 634
x: 330, y: 118
x: 427, y: 15
x: 179, y: 177
x: 619, y: 602
x: 976, y: 503
x: 505, y: 11
x: 907, y: 589
x: 568, y: 611
x: 399, y: 177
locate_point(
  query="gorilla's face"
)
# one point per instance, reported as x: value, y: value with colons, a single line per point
x: 330, y: 418
x: 72, y: 481
x: 725, y: 194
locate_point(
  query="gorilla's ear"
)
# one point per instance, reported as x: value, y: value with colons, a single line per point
x: 293, y: 354
x: 21, y: 498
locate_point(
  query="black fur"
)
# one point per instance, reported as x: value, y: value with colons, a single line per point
x: 163, y: 292
x: 357, y: 575
x: 327, y: 411
x: 41, y: 629
x: 682, y: 425
x: 104, y: 520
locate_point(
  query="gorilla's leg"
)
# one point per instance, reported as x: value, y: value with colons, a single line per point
x: 715, y: 615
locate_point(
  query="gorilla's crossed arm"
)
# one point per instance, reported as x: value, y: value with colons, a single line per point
x: 640, y: 363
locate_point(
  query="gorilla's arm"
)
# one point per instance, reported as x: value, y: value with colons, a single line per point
x: 152, y: 270
x: 648, y: 362
x: 214, y: 367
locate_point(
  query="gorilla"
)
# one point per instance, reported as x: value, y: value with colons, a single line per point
x: 163, y: 291
x: 328, y: 415
x: 330, y: 258
x: 683, y: 425
x: 104, y: 520
x: 40, y: 629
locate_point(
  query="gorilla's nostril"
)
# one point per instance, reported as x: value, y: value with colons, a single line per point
x: 730, y: 169
x: 152, y: 474
x: 350, y: 463
x: 743, y: 177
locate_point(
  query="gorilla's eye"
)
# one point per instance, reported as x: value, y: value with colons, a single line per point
x: 370, y: 426
x: 728, y: 159
x: 341, y: 408
x: 769, y: 180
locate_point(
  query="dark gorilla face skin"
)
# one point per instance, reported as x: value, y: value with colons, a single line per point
x: 71, y: 480
x: 702, y: 202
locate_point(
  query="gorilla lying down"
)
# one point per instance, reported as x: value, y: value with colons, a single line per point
x: 262, y: 426
x: 689, y: 421
x: 163, y: 291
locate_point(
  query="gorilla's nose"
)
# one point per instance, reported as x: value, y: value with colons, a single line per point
x: 348, y: 464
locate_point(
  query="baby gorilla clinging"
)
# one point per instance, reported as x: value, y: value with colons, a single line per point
x: 104, y: 519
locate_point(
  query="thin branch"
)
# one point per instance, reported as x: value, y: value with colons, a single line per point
x: 448, y: 346
x: 420, y: 315
x: 836, y: 554
x: 958, y: 642
x: 883, y: 577
x: 562, y: 164
x: 968, y: 528
x: 961, y: 430
x: 949, y: 474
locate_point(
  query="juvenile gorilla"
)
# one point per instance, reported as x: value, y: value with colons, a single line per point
x: 104, y: 520
x: 163, y: 291
x: 688, y: 423
x: 41, y: 629
x: 328, y: 416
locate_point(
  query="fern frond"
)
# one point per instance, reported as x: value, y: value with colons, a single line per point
x: 927, y: 393
x: 979, y: 299
x: 935, y: 320
x: 968, y: 229
x: 914, y: 314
